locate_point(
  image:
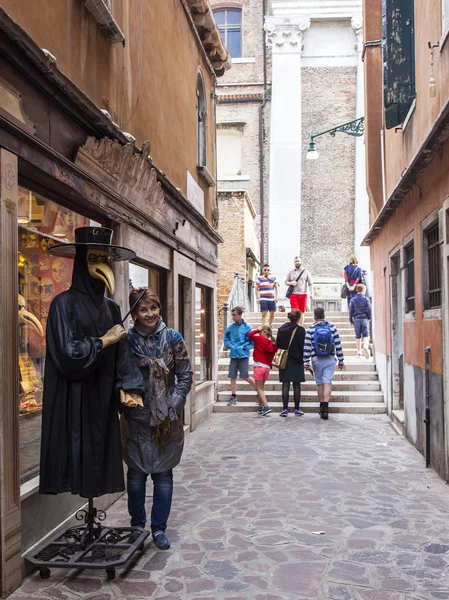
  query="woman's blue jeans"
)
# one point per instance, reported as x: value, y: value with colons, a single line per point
x: 162, y: 498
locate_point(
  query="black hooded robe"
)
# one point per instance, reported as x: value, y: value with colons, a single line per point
x: 80, y: 445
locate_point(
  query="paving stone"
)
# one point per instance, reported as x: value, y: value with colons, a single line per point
x: 436, y: 548
x: 202, y: 585
x: 247, y: 528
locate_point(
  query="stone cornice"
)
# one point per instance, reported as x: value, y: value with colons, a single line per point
x: 284, y: 34
x: 216, y: 51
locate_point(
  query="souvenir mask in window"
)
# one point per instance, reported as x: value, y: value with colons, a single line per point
x: 31, y: 240
x: 34, y: 287
x: 47, y: 243
x: 60, y: 270
x: 44, y: 263
x: 46, y: 289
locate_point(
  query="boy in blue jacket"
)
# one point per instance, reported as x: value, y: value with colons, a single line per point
x: 359, y: 315
x: 236, y: 341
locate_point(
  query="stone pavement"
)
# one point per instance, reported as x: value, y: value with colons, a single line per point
x: 268, y: 509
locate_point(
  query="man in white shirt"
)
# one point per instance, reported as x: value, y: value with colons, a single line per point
x: 301, y: 281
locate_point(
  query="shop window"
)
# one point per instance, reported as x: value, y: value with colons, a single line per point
x: 201, y: 116
x: 42, y: 224
x: 229, y: 22
x: 409, y: 255
x: 203, y: 334
x: 152, y: 278
x: 432, y: 295
x: 229, y: 153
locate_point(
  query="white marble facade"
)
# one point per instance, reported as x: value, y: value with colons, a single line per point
x: 307, y: 34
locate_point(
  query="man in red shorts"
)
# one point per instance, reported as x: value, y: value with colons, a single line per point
x: 301, y: 280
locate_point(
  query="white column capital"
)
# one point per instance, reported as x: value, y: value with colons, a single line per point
x: 357, y: 25
x: 284, y: 35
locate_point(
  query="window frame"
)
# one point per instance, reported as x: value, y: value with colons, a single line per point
x: 409, y: 306
x: 236, y: 133
x: 236, y: 8
x: 428, y: 226
x: 208, y: 322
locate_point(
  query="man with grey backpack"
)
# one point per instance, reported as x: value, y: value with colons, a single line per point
x: 322, y: 343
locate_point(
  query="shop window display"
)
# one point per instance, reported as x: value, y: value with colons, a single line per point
x: 42, y: 224
x: 203, y: 331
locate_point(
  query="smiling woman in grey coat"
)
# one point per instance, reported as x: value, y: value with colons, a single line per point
x: 153, y: 434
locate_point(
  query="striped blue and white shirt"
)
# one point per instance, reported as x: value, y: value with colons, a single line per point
x: 309, y: 346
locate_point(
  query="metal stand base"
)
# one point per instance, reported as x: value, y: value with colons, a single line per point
x: 89, y: 546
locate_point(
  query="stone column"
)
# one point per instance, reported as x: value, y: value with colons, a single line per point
x: 10, y: 517
x: 361, y: 206
x: 285, y: 35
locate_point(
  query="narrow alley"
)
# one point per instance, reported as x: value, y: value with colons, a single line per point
x: 270, y: 509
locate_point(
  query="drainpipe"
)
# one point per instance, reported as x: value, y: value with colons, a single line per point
x: 261, y: 161
x: 382, y: 158
x: 427, y: 419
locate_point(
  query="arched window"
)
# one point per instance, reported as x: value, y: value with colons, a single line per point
x: 201, y: 114
x: 229, y: 21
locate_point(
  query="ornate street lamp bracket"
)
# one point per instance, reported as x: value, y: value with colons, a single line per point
x: 356, y: 128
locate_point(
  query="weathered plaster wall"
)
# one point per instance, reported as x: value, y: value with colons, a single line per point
x: 426, y: 197
x: 109, y: 73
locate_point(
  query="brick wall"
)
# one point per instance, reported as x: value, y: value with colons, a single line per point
x: 328, y: 184
x: 232, y: 253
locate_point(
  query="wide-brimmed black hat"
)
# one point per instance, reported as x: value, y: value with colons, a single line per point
x: 98, y: 237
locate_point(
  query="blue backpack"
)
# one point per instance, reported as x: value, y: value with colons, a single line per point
x: 323, y: 340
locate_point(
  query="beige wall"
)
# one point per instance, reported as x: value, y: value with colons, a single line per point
x: 108, y: 73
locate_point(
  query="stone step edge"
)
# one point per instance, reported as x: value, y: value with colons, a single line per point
x: 307, y: 407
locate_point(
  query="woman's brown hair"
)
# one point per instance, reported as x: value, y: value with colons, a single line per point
x: 149, y: 296
x: 294, y: 315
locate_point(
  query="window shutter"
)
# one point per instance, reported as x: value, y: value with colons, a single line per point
x: 399, y: 59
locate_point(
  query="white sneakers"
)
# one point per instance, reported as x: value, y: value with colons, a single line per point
x: 365, y: 348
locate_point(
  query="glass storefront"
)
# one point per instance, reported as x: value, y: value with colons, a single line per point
x: 203, y: 334
x: 42, y: 224
x: 152, y: 278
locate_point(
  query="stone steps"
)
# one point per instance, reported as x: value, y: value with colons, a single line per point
x: 352, y: 364
x: 310, y: 396
x: 309, y: 386
x: 338, y: 376
x: 307, y: 407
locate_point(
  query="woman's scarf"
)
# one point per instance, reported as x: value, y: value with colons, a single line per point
x: 156, y: 351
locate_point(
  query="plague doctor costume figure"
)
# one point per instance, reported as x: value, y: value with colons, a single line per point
x: 88, y: 363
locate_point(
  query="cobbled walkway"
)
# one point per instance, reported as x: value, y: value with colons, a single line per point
x: 268, y: 508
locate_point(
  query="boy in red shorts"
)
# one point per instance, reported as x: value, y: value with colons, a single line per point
x: 264, y: 351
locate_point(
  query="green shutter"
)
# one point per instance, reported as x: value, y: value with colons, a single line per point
x: 399, y: 59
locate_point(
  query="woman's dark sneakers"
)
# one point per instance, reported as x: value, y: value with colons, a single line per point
x: 324, y: 410
x: 161, y: 541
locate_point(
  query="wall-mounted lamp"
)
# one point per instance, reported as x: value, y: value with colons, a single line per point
x: 59, y: 229
x: 24, y: 209
x: 354, y: 128
x: 312, y: 153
